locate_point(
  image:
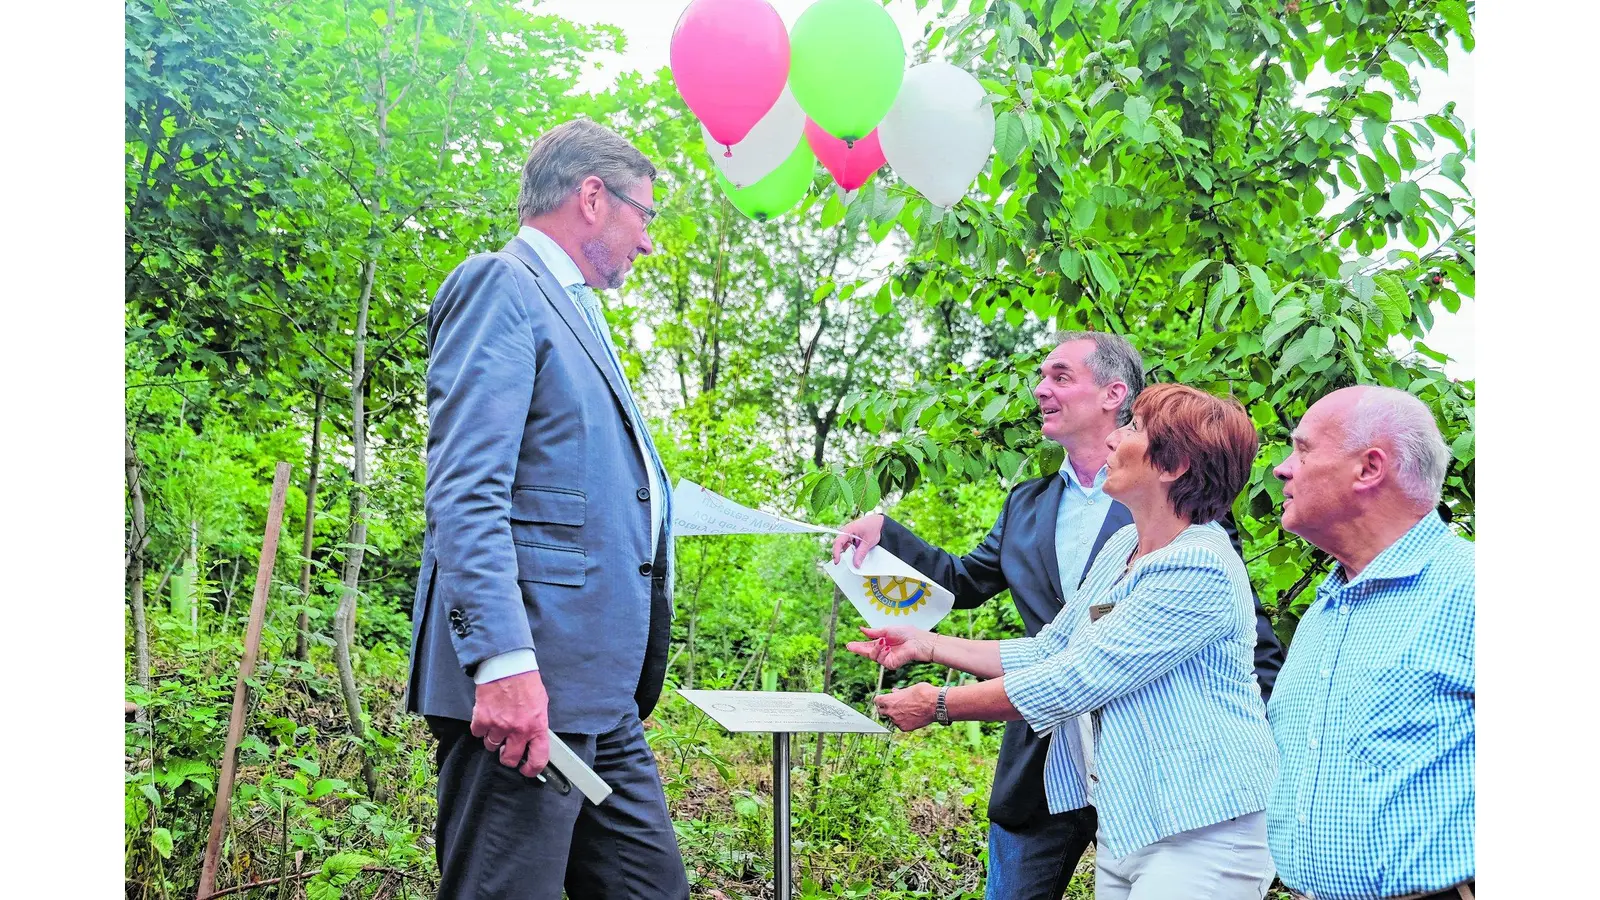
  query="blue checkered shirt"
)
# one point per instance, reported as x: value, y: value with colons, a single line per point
x: 1181, y: 738
x: 1374, y: 717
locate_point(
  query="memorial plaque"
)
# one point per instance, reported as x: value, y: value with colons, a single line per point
x: 781, y: 712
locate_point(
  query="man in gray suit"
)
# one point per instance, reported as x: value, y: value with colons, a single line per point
x: 544, y: 601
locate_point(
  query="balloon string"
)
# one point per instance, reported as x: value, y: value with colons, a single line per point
x: 727, y: 151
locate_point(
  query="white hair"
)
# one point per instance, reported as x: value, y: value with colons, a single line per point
x: 1420, y: 454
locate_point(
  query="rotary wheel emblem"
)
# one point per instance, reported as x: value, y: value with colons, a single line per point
x: 895, y: 595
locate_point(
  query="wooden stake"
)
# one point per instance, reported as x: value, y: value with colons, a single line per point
x: 252, y: 642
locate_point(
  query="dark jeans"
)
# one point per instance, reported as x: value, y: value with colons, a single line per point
x: 1035, y: 862
x: 503, y: 836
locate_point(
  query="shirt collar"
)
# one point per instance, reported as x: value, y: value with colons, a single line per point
x: 1402, y: 559
x: 1071, y: 475
x: 557, y: 260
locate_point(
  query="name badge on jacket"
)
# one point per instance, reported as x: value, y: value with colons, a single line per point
x: 1099, y: 609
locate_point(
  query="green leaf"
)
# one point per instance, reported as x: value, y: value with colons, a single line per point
x: 1103, y: 276
x: 1312, y: 200
x: 1430, y: 48
x: 161, y: 839
x: 1193, y: 272
x: 1463, y: 447
x: 1321, y: 341
x: 1137, y: 109
x: 1083, y: 213
x: 1374, y: 131
x: 1371, y: 174
x: 1430, y: 353
x: 1455, y: 13
x: 1010, y: 137
x: 1446, y: 128
x: 993, y: 408
x: 1404, y: 196
x: 1393, y: 301
x: 1229, y: 279
x: 1278, y: 329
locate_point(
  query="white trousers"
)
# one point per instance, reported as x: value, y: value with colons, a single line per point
x: 1225, y: 861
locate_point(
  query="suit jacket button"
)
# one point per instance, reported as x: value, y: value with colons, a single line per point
x: 642, y: 493
x: 645, y: 568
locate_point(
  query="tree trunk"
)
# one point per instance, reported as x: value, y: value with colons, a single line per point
x: 344, y: 620
x: 302, y: 637
x: 137, y: 538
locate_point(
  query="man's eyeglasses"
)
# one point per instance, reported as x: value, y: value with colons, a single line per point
x: 648, y: 213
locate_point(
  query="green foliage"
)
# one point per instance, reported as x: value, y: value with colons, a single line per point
x: 1160, y: 172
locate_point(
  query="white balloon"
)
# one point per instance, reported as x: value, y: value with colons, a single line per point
x: 939, y: 132
x: 768, y: 144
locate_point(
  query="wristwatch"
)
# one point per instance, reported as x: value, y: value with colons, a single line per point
x: 940, y: 713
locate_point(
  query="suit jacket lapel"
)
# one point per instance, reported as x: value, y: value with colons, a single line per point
x: 1117, y: 518
x: 1046, y: 511
x: 563, y: 305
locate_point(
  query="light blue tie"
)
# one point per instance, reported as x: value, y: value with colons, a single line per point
x: 589, y: 305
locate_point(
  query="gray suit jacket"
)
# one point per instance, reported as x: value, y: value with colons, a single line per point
x: 537, y: 506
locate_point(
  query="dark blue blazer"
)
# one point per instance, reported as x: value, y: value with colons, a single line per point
x: 1019, y: 555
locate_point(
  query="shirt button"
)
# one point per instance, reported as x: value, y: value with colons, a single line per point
x: 1302, y: 822
x: 1091, y: 501
x: 1344, y: 610
x: 642, y: 493
x: 1313, y: 743
x: 645, y: 568
x: 1326, y: 672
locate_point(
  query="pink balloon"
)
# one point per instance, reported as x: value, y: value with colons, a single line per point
x: 850, y: 165
x: 730, y: 59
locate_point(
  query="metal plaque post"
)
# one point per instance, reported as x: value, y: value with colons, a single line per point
x: 782, y: 867
x: 782, y: 714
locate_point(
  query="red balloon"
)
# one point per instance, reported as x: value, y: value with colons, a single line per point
x: 849, y: 164
x: 730, y: 59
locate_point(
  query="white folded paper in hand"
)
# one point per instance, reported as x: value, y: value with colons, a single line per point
x: 887, y: 591
x: 697, y: 511
x: 579, y: 775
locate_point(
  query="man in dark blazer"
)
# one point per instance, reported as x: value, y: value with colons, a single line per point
x: 544, y: 602
x: 1048, y: 534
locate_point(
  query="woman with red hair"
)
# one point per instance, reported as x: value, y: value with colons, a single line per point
x: 1158, y: 646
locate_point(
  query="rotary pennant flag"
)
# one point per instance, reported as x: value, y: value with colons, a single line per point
x: 887, y: 591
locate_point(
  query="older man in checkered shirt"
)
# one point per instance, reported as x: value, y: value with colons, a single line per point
x: 1374, y: 709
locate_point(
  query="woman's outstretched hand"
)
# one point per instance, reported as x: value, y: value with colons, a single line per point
x: 894, y: 646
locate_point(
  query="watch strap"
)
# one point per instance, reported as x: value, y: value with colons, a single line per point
x: 941, y: 713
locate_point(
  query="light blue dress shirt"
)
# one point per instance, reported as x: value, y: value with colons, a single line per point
x: 1079, y: 518
x: 1374, y: 714
x: 1182, y: 740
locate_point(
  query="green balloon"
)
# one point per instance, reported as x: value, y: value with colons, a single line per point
x: 780, y: 190
x: 846, y: 61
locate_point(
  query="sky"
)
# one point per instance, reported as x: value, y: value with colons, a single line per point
x: 647, y: 29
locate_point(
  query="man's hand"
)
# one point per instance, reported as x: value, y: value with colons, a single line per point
x: 909, y: 708
x: 894, y: 646
x: 864, y: 532
x: 511, y: 715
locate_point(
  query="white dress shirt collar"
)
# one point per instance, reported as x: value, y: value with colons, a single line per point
x: 557, y: 260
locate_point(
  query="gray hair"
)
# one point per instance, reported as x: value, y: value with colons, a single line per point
x: 1113, y: 359
x: 1420, y: 454
x: 570, y: 152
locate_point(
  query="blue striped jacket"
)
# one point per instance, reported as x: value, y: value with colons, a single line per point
x: 1181, y: 735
